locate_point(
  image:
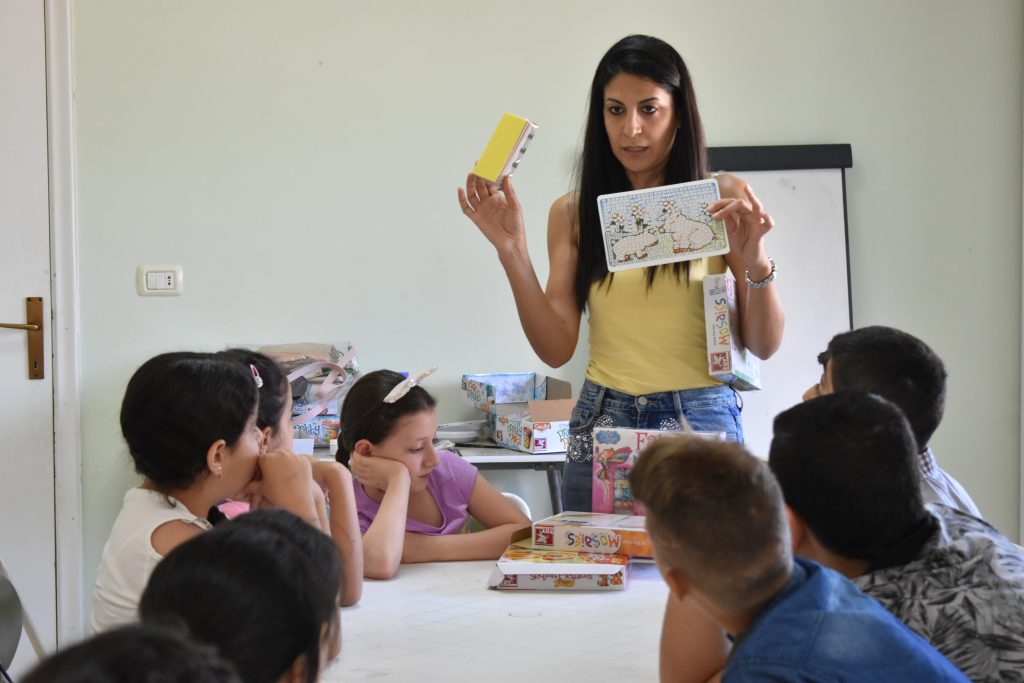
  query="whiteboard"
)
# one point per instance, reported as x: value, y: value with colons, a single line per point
x: 809, y: 245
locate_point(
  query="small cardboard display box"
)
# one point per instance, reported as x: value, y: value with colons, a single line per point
x: 594, y: 533
x: 524, y: 568
x: 728, y: 360
x: 615, y: 452
x: 524, y: 410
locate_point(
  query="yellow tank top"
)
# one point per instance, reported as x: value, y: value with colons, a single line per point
x: 645, y: 341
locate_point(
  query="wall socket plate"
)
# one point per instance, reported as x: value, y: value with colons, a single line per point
x: 159, y: 280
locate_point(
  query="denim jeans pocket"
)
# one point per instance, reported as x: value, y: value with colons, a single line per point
x: 581, y: 426
x: 716, y: 414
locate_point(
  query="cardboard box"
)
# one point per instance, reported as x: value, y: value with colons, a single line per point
x: 524, y: 568
x: 525, y: 411
x: 728, y: 360
x: 594, y: 532
x: 615, y: 451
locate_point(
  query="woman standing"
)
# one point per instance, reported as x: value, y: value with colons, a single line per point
x: 648, y: 354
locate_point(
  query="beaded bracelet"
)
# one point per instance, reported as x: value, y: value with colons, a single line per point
x: 761, y: 283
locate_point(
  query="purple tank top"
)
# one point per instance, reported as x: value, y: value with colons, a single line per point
x: 450, y: 484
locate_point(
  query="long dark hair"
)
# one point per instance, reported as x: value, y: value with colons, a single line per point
x: 364, y: 415
x: 176, y: 406
x: 252, y: 591
x: 599, y: 172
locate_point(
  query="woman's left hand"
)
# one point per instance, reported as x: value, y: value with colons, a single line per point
x: 747, y: 223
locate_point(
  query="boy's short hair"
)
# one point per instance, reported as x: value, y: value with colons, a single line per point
x: 715, y: 514
x: 896, y: 366
x: 848, y: 467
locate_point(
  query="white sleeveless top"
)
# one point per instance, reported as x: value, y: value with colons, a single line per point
x: 129, y: 557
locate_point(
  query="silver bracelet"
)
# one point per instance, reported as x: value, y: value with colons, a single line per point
x: 761, y: 283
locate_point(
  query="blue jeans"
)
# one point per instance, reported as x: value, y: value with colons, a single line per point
x: 710, y: 409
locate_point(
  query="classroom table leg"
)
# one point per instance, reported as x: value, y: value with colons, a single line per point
x: 555, y: 488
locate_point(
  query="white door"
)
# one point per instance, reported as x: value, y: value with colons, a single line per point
x: 27, y: 518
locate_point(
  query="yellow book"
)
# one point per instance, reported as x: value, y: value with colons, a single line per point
x: 507, y: 145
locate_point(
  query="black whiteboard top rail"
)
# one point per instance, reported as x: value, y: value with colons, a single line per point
x: 779, y: 157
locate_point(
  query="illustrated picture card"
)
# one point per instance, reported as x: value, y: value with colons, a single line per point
x: 661, y: 225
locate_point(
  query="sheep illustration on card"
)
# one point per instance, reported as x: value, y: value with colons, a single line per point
x: 661, y: 225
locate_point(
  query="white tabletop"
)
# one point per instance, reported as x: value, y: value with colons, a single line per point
x: 439, y: 622
x: 482, y: 454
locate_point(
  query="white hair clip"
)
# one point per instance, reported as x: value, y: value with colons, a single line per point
x: 256, y: 376
x: 403, y: 387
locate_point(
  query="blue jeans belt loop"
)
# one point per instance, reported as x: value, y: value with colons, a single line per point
x: 598, y: 400
x: 678, y: 403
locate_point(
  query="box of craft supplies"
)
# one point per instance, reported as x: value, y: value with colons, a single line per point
x: 524, y: 410
x: 728, y: 360
x: 524, y: 568
x: 593, y: 532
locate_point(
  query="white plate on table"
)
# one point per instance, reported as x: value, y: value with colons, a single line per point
x: 459, y: 432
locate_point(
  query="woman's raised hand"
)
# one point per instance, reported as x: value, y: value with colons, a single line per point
x: 496, y: 211
x: 746, y: 222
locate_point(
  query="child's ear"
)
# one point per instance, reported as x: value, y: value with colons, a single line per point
x: 265, y: 440
x: 797, y: 529
x: 363, y: 447
x: 677, y: 583
x: 215, y: 457
x: 296, y: 673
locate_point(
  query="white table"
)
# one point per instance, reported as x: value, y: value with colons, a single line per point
x: 486, y: 458
x: 439, y: 622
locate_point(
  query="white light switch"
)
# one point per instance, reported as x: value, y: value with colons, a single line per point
x: 159, y: 281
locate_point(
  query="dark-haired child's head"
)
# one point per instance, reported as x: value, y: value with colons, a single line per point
x: 275, y: 403
x: 404, y: 429
x: 315, y: 545
x: 249, y: 588
x: 892, y: 364
x: 716, y: 518
x: 189, y: 415
x: 847, y: 464
x: 135, y: 653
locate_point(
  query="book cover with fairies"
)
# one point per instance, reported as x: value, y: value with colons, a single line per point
x: 661, y: 225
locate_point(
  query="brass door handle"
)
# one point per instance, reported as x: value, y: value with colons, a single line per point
x: 34, y: 326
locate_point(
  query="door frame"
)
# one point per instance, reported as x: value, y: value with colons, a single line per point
x: 65, y: 324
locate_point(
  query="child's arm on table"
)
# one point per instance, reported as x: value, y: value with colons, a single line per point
x: 384, y: 540
x: 492, y: 510
x: 693, y: 647
x: 343, y: 526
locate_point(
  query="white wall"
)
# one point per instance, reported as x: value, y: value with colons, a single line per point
x: 300, y: 161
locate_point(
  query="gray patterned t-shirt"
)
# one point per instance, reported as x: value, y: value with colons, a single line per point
x: 964, y: 593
